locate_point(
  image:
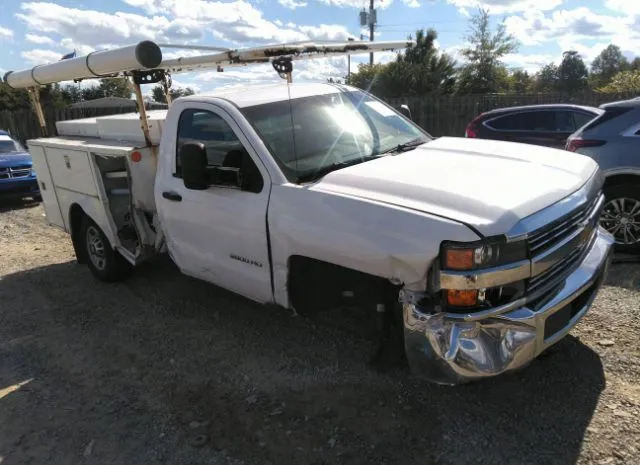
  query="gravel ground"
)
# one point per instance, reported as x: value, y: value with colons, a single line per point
x: 166, y: 369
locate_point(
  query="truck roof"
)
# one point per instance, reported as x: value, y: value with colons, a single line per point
x: 125, y: 127
x: 249, y: 95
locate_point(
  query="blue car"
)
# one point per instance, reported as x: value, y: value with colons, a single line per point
x: 17, y: 177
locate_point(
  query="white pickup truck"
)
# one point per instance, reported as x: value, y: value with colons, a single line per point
x: 310, y: 196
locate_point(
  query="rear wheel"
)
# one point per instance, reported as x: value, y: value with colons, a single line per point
x: 105, y: 263
x: 621, y: 216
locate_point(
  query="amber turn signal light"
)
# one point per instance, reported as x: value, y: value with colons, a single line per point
x: 459, y: 259
x: 467, y: 298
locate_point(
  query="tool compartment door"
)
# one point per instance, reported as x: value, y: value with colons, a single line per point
x: 71, y: 171
x: 47, y: 188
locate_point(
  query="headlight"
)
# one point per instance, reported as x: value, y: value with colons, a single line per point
x: 476, y: 256
x: 483, y: 254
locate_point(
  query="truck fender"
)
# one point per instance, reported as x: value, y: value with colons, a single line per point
x: 388, y: 243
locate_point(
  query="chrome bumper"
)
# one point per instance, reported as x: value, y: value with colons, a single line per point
x: 449, y: 349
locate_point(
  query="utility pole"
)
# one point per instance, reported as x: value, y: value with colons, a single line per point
x: 372, y: 18
x: 369, y: 18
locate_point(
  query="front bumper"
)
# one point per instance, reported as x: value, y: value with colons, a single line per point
x: 451, y: 349
x: 19, y: 187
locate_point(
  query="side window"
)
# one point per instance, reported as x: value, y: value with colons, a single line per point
x: 222, y: 145
x: 505, y: 123
x: 211, y: 130
x: 582, y: 118
x: 525, y: 121
x: 565, y: 121
x: 537, y: 121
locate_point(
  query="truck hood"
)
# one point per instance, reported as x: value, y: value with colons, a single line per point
x: 8, y: 160
x: 489, y: 185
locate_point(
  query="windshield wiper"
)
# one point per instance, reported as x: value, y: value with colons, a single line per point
x: 312, y: 175
x: 412, y: 144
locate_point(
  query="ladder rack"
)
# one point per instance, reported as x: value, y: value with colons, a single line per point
x: 143, y: 64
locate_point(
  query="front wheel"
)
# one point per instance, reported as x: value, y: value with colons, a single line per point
x: 621, y: 216
x: 105, y: 263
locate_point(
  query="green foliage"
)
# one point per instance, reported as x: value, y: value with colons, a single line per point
x: 484, y: 71
x: 176, y: 92
x: 623, y: 82
x: 546, y: 80
x: 520, y: 82
x: 57, y: 96
x: 572, y: 72
x: 419, y: 70
x: 570, y: 76
x: 607, y: 64
x: 109, y: 87
x: 13, y: 99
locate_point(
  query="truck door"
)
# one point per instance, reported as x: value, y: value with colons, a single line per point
x: 218, y: 234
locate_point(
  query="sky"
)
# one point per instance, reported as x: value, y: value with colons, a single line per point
x: 33, y: 33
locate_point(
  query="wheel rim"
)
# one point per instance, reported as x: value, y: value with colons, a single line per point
x: 621, y: 217
x: 95, y: 248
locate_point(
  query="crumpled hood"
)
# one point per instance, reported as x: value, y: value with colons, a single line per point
x: 487, y: 184
x: 8, y: 160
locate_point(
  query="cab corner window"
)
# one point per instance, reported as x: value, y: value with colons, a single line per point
x: 223, y: 147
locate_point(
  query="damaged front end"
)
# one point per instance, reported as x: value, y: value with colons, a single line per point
x: 494, y: 307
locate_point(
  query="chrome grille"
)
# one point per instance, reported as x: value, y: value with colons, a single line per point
x: 555, y: 272
x: 547, y: 237
x: 19, y: 171
x: 572, y: 234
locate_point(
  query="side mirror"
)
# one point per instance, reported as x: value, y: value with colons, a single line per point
x: 193, y: 160
x: 406, y: 111
x: 197, y: 175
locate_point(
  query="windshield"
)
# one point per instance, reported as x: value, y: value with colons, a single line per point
x: 330, y: 131
x: 9, y: 145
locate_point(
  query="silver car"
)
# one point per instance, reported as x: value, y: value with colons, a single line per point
x: 613, y: 140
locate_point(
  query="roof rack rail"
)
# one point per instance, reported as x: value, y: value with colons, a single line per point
x: 144, y: 64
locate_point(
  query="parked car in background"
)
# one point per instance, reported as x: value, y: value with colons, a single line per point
x: 17, y: 177
x: 548, y: 125
x: 613, y: 140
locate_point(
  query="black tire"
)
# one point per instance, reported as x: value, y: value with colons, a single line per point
x: 37, y: 198
x: 105, y: 263
x: 620, y: 201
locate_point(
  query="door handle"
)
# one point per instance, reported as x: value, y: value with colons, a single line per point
x: 173, y: 196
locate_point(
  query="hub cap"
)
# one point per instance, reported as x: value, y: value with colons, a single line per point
x: 621, y: 217
x: 95, y: 248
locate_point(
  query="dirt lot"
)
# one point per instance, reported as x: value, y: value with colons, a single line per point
x: 165, y: 369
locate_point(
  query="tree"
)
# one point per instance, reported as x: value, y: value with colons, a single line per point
x: 623, y: 82
x: 484, y: 68
x: 520, y: 82
x: 607, y: 64
x: 546, y: 80
x: 116, y: 87
x: 176, y: 92
x: 421, y: 69
x: 428, y: 69
x: 109, y: 87
x: 635, y: 64
x: 71, y: 93
x: 13, y: 99
x: 572, y: 72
